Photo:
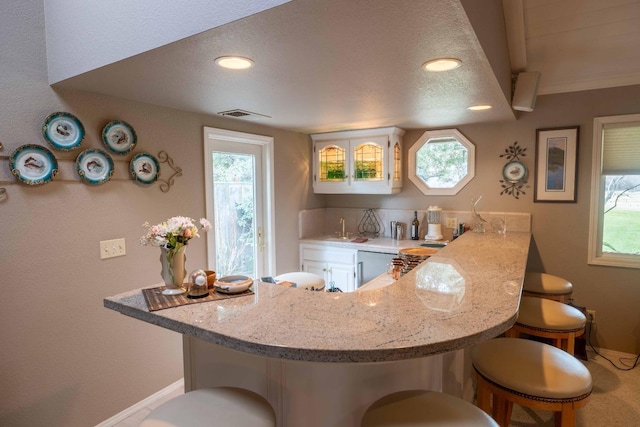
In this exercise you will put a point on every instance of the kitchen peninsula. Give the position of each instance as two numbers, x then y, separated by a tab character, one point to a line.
321	358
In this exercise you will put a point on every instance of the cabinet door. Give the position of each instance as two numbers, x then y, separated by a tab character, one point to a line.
343	276
331	166
369	165
316	267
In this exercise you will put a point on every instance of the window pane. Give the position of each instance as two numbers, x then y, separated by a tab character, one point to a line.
621	228
442	163
234	199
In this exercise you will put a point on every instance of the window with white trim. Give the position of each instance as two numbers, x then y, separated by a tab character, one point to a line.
614	236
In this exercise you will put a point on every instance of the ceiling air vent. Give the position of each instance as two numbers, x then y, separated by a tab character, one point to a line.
241	113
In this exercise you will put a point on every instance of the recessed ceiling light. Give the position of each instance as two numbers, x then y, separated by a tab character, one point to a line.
442	64
234	62
480	107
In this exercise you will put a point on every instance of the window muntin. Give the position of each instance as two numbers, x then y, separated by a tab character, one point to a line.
614	237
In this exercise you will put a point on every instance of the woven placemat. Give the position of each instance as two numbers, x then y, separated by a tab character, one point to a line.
157	301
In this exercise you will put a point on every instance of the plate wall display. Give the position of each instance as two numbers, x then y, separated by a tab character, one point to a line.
119	137
63	131
514	171
94	166
33	164
144	168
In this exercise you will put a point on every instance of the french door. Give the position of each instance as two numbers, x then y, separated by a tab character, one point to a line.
239	189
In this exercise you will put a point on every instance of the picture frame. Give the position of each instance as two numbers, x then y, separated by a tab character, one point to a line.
556	166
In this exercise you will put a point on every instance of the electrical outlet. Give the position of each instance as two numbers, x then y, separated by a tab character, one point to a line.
452	223
591	314
112	248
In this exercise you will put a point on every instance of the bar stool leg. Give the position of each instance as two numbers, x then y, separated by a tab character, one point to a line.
566	417
483	395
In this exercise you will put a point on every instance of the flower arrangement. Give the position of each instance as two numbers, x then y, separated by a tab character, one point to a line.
172	233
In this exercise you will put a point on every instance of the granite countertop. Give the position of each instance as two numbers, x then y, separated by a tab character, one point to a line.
467	293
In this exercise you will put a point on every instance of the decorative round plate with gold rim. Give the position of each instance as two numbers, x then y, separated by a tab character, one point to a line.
94	166
119	137
514	171
144	168
33	164
63	131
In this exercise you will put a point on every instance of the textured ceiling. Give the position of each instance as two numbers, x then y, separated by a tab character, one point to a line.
352	64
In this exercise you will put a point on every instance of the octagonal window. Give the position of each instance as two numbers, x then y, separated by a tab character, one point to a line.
441	162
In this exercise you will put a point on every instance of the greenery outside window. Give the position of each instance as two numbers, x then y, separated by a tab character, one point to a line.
614	237
441	162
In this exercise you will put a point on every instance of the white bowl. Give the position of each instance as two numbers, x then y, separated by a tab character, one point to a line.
233	284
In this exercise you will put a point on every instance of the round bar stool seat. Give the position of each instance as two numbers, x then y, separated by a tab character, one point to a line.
424	408
543	285
210	407
303	280
531	374
546	318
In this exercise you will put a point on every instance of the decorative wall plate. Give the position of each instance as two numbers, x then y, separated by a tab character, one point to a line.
514	171
144	168
119	137
94	166
63	131
33	164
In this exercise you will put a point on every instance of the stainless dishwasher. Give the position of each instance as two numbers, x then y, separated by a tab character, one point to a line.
372	264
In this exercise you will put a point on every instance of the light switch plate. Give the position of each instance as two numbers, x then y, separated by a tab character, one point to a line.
112	248
452	223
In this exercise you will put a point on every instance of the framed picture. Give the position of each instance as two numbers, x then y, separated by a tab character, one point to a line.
556	165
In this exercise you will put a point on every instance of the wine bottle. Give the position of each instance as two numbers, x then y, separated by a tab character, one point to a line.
415	227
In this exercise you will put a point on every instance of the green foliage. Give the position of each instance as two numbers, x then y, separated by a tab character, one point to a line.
442	164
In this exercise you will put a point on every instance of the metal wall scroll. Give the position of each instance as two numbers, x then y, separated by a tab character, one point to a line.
514	173
165	185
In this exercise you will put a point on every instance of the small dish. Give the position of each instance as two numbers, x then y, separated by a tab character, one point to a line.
94	166
119	137
144	168
33	164
63	131
233	284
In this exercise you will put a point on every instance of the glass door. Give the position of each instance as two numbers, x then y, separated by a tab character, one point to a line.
236	208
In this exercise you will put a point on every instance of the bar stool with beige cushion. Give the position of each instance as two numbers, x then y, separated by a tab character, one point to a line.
211	407
302	280
424	408
530	374
546	318
543	285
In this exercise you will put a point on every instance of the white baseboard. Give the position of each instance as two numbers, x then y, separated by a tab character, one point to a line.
143	404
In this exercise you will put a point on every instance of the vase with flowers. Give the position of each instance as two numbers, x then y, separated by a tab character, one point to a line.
172	237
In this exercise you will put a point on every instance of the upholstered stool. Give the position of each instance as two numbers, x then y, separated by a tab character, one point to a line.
531	374
548	286
546	318
302	280
424	408
209	407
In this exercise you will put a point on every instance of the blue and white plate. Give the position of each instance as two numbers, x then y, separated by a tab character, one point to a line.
144	168
33	164
94	166
119	137
63	131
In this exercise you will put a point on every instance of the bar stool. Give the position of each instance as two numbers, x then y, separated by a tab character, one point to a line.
531	374
424	408
546	318
303	280
210	407
543	285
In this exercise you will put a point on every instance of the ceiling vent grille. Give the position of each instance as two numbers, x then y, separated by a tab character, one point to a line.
241	113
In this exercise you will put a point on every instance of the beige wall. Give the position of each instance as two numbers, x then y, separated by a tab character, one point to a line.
64	359
560	230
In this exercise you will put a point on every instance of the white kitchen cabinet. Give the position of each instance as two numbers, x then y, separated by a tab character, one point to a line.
360	161
333	264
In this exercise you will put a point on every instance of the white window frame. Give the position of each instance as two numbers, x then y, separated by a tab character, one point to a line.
595	255
438	134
